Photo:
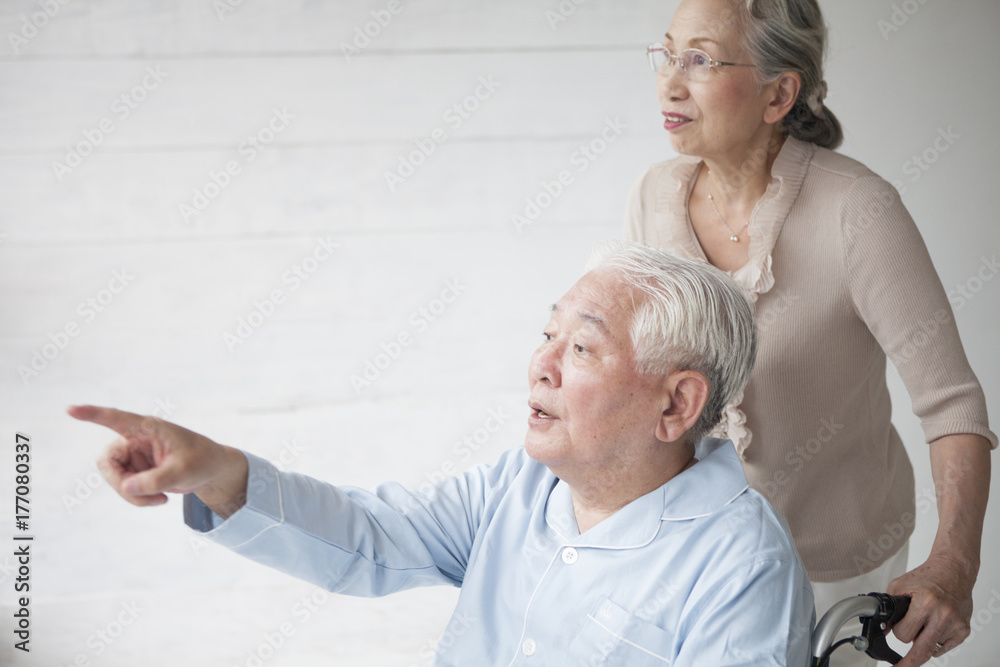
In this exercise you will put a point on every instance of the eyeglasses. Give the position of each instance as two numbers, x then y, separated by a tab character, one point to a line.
695	63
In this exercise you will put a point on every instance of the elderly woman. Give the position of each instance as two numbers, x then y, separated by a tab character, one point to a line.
841	280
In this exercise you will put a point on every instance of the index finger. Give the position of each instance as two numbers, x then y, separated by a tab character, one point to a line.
124	423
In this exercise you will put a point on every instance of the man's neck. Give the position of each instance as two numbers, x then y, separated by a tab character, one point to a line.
595	502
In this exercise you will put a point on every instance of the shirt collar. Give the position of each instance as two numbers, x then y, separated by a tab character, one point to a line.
715	481
712	483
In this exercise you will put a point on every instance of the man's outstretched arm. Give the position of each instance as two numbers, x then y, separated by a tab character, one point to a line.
344	539
152	457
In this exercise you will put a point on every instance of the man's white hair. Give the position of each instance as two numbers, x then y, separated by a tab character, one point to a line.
690	316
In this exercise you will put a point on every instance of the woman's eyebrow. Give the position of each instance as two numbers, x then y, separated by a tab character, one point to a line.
694	40
702	40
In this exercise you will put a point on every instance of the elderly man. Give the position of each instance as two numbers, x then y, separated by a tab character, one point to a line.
619	534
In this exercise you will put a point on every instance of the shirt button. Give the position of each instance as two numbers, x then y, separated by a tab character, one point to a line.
529	647
570	555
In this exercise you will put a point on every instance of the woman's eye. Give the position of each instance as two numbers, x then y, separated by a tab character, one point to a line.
579	348
546	336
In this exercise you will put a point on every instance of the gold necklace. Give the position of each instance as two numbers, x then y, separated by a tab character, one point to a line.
734	236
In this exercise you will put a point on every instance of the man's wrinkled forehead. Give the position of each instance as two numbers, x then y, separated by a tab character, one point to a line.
587	317
601	299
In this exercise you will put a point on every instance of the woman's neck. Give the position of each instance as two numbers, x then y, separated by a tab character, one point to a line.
739	180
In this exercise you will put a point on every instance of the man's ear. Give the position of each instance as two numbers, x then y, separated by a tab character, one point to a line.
784	92
685	396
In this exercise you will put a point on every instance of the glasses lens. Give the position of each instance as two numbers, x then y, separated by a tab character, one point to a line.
657	58
696	64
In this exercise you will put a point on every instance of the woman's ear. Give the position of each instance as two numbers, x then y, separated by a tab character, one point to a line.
684	399
784	92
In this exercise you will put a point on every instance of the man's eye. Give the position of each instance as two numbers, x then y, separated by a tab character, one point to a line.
579	348
547	336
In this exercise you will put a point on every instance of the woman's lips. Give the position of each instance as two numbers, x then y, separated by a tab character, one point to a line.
672	121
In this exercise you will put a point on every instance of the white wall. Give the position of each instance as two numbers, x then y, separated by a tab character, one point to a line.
158	345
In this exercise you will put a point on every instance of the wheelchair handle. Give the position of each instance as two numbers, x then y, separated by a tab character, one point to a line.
878	612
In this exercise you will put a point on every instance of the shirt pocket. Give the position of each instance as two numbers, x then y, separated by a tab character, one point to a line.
614	637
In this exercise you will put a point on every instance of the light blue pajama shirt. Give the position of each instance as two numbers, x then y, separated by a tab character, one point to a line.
701	572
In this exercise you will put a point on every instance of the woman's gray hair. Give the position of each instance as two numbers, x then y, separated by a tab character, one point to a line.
693	317
790	36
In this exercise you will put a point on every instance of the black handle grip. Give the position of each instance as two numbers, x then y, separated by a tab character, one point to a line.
892	608
901	605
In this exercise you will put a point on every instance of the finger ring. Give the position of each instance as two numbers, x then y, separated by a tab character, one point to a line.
938	647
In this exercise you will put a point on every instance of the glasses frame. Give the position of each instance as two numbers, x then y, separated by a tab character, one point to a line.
671	58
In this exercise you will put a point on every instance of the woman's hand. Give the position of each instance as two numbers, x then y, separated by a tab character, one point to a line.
940	608
154	457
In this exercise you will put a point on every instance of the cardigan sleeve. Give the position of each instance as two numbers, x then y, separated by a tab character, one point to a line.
897	293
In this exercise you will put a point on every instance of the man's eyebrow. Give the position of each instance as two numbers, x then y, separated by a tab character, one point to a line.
588	317
594	319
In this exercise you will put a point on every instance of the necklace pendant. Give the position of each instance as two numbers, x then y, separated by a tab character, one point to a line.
734	238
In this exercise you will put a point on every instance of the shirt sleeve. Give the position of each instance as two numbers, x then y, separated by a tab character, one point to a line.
762	615
352	541
898	294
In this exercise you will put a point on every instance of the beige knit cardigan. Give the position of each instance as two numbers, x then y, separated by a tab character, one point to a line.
840	279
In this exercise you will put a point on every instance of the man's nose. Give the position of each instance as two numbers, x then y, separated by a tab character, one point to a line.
544	366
